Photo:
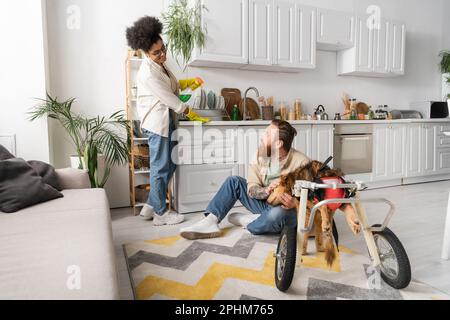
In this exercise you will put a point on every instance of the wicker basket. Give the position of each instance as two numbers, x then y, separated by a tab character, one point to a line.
141	163
141	150
141	157
141	193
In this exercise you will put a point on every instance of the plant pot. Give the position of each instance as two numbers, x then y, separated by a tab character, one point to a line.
75	162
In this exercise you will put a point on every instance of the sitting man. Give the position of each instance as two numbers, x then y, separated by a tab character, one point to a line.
275	157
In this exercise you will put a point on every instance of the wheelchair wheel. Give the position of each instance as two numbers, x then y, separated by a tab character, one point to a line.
285	258
395	266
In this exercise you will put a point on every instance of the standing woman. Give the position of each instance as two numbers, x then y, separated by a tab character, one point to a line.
157	106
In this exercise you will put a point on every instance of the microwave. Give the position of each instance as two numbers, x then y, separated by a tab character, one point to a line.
432	109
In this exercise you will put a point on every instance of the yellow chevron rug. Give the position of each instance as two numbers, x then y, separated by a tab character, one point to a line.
240	266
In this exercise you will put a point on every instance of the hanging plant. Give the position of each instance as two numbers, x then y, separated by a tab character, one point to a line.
184	30
445	66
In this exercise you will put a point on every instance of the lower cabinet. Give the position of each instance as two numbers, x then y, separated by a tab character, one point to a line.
322	142
196	185
302	141
422	150
389	152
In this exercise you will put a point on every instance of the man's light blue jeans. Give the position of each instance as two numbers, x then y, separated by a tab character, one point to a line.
162	168
272	219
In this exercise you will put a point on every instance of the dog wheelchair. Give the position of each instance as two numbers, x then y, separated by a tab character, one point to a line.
385	249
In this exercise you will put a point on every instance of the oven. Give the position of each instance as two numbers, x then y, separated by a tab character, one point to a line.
353	148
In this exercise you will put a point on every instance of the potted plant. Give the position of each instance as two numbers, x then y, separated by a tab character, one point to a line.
93	138
445	70
184	29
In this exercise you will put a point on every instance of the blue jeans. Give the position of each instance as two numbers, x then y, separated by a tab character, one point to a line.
162	168
272	219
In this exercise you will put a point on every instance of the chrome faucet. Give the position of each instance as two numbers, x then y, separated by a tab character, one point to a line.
244	113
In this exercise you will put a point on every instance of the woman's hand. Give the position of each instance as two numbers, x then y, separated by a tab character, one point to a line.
289	202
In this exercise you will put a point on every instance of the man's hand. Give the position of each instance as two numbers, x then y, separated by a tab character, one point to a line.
273	186
289	202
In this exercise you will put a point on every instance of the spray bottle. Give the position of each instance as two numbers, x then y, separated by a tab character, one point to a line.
188	86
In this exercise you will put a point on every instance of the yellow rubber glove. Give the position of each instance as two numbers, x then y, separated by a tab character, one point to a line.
193	116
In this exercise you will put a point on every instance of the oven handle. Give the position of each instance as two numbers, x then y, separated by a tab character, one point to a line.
360	138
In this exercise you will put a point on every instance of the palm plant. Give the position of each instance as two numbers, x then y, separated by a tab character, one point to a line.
91	137
445	65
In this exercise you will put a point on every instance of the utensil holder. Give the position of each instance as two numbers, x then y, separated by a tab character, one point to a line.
267	113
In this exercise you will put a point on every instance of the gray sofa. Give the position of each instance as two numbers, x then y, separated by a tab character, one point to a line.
61	249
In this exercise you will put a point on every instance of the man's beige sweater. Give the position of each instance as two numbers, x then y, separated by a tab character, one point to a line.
259	169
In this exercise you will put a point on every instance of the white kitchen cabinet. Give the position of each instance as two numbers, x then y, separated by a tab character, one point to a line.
428	148
322	142
261	13
389	152
282	36
305	37
335	30
198	184
248	142
422	150
397	42
227	37
381	48
284	33
381	153
302	141
378	52
364	46
414	154
443	161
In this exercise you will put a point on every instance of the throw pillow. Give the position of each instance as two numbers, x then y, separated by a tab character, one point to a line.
22	187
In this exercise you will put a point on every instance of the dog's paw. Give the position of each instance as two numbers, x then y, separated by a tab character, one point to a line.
356	227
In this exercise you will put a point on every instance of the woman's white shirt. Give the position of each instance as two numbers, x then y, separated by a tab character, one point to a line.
157	96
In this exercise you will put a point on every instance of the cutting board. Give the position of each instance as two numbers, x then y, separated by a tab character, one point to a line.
232	97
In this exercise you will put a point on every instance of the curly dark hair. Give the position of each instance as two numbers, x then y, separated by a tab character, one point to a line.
144	33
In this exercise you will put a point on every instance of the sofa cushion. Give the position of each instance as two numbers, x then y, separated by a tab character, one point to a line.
21	186
43	247
70	178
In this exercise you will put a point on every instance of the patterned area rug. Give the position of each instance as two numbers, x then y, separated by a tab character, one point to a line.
240	266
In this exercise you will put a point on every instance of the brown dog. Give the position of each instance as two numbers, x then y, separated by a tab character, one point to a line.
323	221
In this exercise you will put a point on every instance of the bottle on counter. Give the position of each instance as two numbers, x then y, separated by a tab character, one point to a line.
371	114
283	111
353	114
235	113
298	109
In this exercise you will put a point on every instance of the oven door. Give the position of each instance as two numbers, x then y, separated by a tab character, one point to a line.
353	153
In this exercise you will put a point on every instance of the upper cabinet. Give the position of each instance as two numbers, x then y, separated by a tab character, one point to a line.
335	30
379	51
397	39
261	35
227	37
283	35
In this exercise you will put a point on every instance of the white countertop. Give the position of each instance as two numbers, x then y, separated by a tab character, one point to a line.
314	122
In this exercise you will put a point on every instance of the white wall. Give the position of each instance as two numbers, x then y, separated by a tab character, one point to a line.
22	76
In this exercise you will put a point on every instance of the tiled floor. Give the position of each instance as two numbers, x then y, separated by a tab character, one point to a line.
419	223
